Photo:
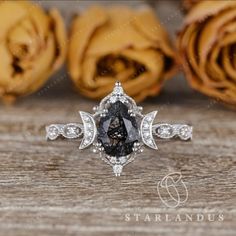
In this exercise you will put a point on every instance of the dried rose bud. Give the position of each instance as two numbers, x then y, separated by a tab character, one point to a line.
207	46
32	47
119	44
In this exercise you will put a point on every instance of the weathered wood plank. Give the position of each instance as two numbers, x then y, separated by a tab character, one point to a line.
52	187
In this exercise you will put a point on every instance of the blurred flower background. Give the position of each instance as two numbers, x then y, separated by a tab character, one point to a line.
32	47
134	42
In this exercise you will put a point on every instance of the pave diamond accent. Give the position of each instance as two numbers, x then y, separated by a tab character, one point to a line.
118	90
146	130
53	132
185	132
118	94
167	131
90	130
69	131
72	131
117	169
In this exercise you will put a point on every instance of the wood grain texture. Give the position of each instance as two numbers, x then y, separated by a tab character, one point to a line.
52	188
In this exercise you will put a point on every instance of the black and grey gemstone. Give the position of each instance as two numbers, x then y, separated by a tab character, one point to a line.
118	131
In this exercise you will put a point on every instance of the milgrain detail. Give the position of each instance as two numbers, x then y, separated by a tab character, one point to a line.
168	131
69	131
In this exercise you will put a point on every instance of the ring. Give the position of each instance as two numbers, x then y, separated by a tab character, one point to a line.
118	130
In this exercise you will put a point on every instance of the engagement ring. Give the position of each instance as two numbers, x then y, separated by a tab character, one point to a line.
118	130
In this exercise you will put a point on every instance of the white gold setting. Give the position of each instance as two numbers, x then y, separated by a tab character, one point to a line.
133	128
146	129
89	129
168	131
69	131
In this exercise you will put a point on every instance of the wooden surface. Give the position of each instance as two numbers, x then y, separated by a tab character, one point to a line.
52	188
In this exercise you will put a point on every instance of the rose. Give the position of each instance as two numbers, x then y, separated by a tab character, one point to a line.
190	3
32	47
207	46
119	44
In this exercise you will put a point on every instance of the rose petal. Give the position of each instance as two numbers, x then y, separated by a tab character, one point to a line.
206	45
147	23
118	34
117	48
59	33
32	47
82	30
11	13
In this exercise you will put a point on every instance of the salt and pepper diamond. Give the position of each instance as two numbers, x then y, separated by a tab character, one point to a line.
118	130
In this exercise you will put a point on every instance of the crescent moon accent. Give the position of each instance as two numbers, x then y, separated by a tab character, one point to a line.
89	129
146	130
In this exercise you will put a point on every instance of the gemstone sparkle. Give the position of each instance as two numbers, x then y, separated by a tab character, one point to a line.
118	131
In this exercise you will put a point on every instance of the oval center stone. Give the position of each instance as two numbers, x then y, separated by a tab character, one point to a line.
118	131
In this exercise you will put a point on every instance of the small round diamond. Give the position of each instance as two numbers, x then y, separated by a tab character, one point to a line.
122	99
146	135
185	132
117	169
53	132
113	160
149	141
113	99
118	89
149	118
165	131
71	131
89	125
86	142
86	119
145	125
123	159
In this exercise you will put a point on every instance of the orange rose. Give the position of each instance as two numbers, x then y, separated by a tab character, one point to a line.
188	4
32	47
207	45
119	44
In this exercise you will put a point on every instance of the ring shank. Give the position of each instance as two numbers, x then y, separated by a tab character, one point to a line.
168	131
162	131
69	131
